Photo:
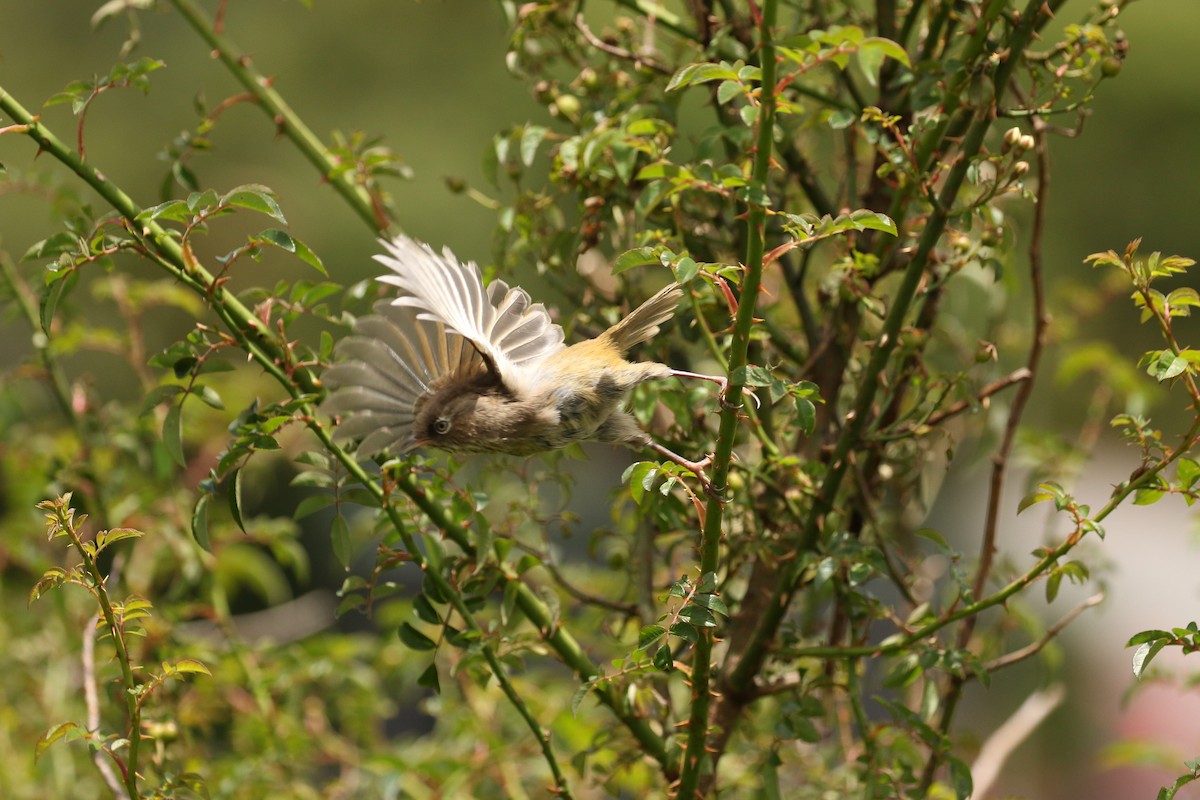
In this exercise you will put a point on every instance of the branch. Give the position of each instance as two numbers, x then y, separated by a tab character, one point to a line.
1032	649
163	249
285	119
1015	730
695	751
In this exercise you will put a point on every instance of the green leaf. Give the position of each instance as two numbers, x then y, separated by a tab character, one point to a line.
52	736
649	635
641	477
639	257
664	660
1052	584
1148	496
233	490
200	522
414	639
339	535
701	73
863	219
1041	493
53	294
209	397
281	239
172	433
806	415
1148	636
256	198
429	679
190	665
425	610
960	778
728	90
1144	655
685	631
751	375
531	138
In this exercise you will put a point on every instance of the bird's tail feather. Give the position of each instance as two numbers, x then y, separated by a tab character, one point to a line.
642	323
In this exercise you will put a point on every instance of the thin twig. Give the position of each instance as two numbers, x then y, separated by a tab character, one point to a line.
91	701
1032	649
617	52
1015	730
1016	376
1041	322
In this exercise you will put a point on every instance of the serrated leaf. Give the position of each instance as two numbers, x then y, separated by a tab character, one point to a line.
1036	496
580	693
638	474
425	611
806	415
209	397
638	257
685	631
255	198
649	635
701	73
281	239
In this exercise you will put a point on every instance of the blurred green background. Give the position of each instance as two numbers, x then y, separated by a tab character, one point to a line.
429	77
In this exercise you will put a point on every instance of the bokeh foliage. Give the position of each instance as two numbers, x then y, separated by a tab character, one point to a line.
854	201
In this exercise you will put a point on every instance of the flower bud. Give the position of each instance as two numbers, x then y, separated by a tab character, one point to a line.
1012	138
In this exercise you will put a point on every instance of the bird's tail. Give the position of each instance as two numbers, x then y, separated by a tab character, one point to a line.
643	321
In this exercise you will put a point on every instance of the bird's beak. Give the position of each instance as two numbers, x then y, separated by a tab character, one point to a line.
412	442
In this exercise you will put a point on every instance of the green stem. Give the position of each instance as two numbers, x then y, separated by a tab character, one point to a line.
166	251
65	516
901	644
857	420
282	115
695	749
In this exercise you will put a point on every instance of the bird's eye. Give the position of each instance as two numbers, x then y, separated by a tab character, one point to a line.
441	426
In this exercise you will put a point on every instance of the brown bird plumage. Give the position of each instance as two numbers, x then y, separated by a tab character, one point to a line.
451	364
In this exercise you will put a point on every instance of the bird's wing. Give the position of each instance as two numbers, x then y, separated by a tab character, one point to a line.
502	321
393	359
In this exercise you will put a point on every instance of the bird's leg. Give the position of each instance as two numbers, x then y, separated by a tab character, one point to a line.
719	380
695	466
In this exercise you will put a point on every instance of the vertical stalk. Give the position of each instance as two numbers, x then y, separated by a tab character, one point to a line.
695	749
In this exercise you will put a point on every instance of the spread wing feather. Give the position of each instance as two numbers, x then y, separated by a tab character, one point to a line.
501	320
385	369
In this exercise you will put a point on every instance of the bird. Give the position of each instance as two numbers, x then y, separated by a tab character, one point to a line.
455	365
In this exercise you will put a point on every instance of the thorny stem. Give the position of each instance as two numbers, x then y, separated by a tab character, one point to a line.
282	115
62	519
695	752
169	254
